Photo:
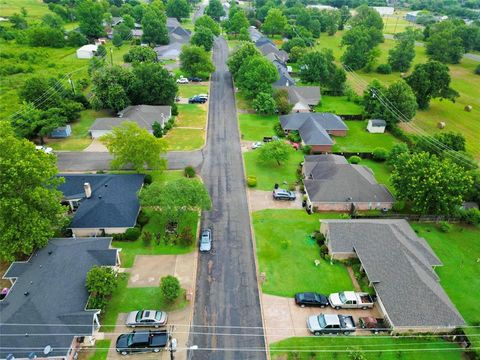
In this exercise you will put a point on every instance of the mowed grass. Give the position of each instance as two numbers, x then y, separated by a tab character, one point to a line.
254	127
290	268
192	115
358	139
381	171
100	351
80	137
371	347
179	139
125	299
189	90
270	173
35	8
338	105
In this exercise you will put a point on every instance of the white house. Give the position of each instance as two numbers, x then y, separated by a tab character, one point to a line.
87	51
376	126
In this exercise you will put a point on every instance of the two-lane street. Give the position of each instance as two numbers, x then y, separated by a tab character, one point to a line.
227	315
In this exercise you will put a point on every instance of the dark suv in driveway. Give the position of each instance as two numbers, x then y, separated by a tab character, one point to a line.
142	341
282	194
311	299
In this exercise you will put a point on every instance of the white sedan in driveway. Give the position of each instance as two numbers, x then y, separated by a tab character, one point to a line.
256	145
182	80
46	150
147	318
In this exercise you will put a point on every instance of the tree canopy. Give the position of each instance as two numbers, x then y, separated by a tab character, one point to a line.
132	145
208	22
153	85
89	14
215	9
401	56
203	37
154	25
178	9
256	75
30	210
275	22
277	151
246	51
195	61
138	54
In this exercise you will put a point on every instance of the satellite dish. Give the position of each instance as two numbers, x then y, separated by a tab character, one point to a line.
47	350
10	357
32	355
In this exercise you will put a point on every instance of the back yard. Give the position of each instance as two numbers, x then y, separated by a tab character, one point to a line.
286	254
338	105
254	127
358	139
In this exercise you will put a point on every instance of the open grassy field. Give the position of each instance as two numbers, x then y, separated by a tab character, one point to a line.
179	139
463	81
254	127
359	139
189	90
338	105
371	347
286	254
192	115
270	173
35	8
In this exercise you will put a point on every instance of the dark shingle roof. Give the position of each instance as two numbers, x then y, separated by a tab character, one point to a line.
330	179
262	41
308	95
270	48
114	201
285	78
179	34
54	278
399	264
143	115
378	122
254	33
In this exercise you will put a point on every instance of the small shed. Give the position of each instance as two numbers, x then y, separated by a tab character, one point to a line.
61	132
376	126
87	51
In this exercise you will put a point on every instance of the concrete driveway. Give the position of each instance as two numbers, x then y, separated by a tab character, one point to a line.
260	200
284	319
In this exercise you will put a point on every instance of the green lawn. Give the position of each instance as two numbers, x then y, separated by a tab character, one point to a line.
35	8
189	90
459	252
254	127
270	173
338	105
100	351
381	171
291	269
126	299
191	115
375	347
179	139
80	137
359	139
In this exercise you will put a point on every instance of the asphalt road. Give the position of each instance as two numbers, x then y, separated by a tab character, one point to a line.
227	299
95	161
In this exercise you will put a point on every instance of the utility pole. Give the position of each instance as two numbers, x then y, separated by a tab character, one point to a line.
72	84
172	348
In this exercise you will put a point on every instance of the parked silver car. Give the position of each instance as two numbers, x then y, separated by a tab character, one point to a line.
206	240
153	318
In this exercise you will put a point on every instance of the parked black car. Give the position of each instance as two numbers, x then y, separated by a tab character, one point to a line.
142	341
197	100
195	79
311	299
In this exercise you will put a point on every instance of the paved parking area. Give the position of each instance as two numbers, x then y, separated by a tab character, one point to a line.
260	200
96	146
284	319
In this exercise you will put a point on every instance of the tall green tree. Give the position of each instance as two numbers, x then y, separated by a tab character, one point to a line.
178	9
318	67
111	88
240	55
256	75
215	10
236	23
152	85
89	14
203	37
139	54
344	17
401	98
360	43
30	210
367	17
34	90
132	145
275	151
445	46
195	61
154	24
208	22
431	80
176	198
432	185
401	56
275	22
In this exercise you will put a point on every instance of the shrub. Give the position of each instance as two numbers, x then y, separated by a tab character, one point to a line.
147	179
132	234
189	172
354	159
323	251
306	149
251	181
186	237
100	283
279	130
398	205
380	154
294	136
319	238
384	69
143	218
147	238
170	288
157	129
118	237
471	216
445	227
477	70
291	187
174	110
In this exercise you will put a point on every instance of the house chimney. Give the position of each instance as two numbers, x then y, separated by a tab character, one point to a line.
88	190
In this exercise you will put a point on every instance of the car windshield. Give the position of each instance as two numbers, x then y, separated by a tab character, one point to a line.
129	339
158	315
342	297
139	316
321	321
205	237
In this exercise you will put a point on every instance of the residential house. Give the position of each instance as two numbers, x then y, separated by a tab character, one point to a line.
137	33
101	203
412	16
254	33
332	184
61	132
179	35
144	115
376	126
384	10
400	267
262	41
87	51
172	23
285	79
303	98
320	7
315	129
45	312
270	48
116	20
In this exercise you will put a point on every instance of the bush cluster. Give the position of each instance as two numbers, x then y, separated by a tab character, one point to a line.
170	288
354	159
380	154
189	172
384	69
251	181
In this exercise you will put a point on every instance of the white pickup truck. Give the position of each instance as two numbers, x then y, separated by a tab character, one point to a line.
350	300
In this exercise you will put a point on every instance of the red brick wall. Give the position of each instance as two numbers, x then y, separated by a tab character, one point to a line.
338	132
346	206
321	149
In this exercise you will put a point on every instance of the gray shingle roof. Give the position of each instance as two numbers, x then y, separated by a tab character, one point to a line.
378	122
330	179
262	41
313	133
170	51
179	34
270	48
114	201
172	23
143	115
285	78
54	278
399	264
254	33
308	95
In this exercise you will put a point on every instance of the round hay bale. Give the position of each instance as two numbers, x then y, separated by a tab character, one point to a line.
468	108
441	125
